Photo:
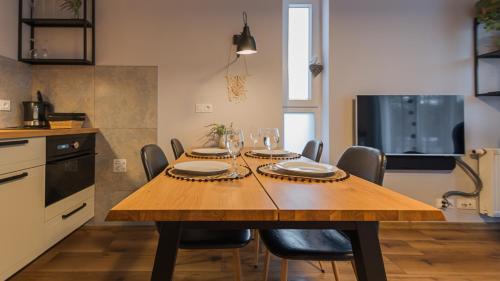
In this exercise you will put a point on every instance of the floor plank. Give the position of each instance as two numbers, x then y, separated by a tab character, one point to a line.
126	254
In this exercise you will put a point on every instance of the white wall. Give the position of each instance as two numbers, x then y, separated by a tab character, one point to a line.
190	42
407	46
8	28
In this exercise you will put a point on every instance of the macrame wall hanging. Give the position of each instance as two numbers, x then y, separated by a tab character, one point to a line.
236	84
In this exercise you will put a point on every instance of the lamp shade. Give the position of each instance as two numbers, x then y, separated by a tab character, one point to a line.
246	43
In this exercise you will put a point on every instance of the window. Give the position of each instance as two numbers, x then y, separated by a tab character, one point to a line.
302	95
299	41
301	125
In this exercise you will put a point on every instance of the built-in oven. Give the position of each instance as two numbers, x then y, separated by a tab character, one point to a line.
70	166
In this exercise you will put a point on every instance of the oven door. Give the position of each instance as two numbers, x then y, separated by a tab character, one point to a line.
66	177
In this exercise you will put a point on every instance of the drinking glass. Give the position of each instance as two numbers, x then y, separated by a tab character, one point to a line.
234	140
255	138
271	138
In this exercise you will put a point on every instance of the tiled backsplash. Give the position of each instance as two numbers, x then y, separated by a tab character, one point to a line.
119	100
15	85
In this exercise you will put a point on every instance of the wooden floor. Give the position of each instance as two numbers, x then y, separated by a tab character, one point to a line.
126	254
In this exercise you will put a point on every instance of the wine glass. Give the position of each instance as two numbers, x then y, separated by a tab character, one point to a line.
255	138
271	138
234	140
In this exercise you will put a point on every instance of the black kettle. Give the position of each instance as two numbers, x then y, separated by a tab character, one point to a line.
35	112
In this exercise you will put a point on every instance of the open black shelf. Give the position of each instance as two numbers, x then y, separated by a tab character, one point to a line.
478	58
57	61
85	24
57	22
490	55
489	94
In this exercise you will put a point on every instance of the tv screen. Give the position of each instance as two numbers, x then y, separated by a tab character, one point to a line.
411	124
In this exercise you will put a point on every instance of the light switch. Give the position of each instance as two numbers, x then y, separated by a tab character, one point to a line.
4	105
204	108
119	165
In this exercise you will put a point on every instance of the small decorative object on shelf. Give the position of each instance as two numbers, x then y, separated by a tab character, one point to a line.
38	14
488	13
486	42
73	6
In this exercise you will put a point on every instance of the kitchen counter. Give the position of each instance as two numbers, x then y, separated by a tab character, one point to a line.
30	133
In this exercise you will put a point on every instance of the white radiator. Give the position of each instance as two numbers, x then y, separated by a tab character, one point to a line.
489	171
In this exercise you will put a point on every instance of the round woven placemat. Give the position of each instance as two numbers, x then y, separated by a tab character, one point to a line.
197	156
265	170
243	172
290	156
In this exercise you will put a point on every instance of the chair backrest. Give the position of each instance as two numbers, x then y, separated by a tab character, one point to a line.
313	150
364	162
177	148
153	160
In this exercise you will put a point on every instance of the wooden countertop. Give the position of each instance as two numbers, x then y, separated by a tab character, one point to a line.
31	133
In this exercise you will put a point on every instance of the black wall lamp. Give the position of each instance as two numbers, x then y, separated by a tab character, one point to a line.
245	43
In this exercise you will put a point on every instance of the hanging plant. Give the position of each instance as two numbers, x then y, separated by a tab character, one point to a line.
488	13
72	6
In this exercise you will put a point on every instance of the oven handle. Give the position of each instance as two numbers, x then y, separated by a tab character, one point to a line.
87	154
66	216
12	143
13	178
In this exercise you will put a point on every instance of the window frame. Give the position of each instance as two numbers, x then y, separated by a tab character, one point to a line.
314	105
315	90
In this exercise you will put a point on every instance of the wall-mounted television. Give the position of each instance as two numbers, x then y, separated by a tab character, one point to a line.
411	125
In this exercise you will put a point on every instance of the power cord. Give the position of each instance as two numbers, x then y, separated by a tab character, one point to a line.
473	175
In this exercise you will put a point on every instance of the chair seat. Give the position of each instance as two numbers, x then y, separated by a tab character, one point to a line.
214	239
308	244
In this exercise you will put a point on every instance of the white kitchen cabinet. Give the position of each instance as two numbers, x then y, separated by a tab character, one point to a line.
21	217
19	154
27	226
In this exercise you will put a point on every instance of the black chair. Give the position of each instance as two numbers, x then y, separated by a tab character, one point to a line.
313	150
177	148
364	162
324	244
155	163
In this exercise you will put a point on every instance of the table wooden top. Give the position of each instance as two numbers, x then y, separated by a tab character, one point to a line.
168	199
263	198
354	199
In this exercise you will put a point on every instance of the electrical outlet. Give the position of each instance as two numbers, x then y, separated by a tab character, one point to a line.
466	203
4	105
119	165
440	203
204	108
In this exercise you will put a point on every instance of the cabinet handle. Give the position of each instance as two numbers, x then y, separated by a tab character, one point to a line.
74	211
11	143
13	178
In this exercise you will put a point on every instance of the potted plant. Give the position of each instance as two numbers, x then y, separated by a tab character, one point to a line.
216	132
72	6
488	14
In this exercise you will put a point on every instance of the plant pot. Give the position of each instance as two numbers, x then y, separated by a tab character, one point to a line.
222	143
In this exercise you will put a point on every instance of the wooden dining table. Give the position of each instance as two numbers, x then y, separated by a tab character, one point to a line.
354	206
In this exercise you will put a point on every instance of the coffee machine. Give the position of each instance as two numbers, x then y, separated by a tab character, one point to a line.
35	112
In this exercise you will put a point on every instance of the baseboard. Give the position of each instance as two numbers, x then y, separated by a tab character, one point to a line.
439	225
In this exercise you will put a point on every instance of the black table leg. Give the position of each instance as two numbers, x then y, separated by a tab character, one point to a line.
166	252
367	253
